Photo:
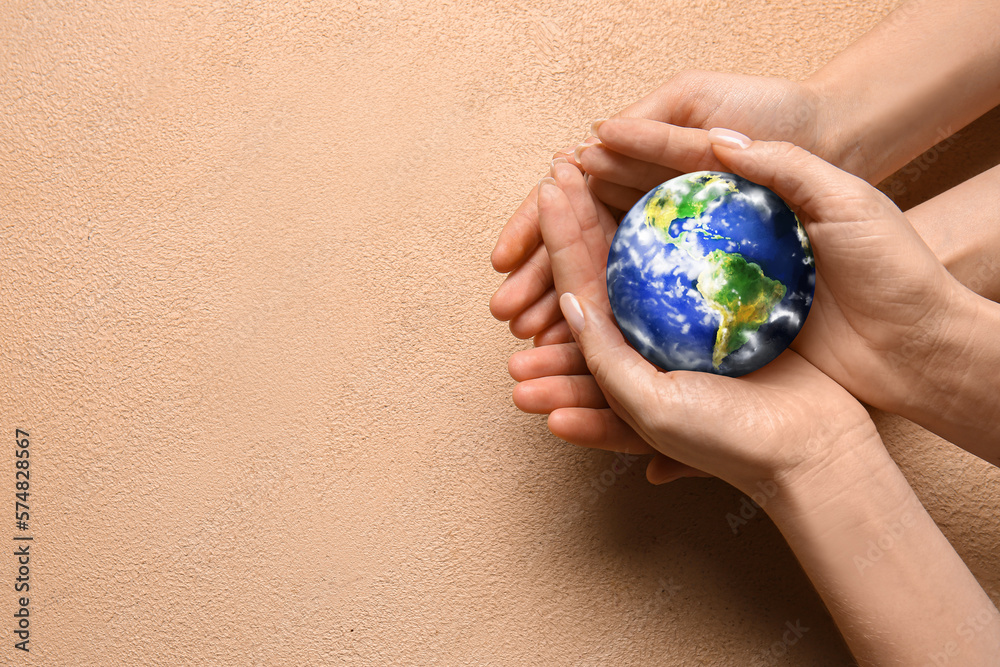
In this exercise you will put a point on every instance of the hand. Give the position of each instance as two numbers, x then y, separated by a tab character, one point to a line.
787	428
767	108
783	420
555	378
883	302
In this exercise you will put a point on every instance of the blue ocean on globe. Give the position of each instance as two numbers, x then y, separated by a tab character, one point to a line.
710	272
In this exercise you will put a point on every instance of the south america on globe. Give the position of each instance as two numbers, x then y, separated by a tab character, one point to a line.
710	272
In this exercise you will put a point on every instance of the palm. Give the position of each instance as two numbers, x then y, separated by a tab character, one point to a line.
767	411
878	283
556	380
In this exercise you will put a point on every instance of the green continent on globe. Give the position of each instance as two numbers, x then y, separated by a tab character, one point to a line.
667	205
736	289
740	292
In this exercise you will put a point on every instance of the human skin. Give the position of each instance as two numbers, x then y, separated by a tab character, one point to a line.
888	322
893	584
924	72
902	308
962	225
651	141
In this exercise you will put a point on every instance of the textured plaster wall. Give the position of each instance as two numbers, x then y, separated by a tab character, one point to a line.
243	315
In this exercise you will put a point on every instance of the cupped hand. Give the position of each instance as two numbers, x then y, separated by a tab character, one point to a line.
780	420
692	102
554	379
882	300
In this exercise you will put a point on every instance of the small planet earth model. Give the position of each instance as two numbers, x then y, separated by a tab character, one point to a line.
710	272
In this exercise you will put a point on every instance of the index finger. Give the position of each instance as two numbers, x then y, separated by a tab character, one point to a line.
576	240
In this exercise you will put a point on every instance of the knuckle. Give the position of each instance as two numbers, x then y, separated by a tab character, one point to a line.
601	367
574	390
692	91
540	270
788	151
688	78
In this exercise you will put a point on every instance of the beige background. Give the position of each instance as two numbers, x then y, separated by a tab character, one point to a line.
245	275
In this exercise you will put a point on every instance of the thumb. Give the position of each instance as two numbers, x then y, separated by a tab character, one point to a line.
620	371
808	183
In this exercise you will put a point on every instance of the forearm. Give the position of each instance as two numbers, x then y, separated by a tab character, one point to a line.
962	227
927	70
894	585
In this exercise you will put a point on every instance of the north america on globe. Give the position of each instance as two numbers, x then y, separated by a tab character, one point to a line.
710	272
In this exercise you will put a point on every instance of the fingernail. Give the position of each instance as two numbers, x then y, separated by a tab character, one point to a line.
731	138
596	125
572	312
566	151
579	150
548	180
557	161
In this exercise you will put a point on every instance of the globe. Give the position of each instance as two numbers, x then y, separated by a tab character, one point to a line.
710	272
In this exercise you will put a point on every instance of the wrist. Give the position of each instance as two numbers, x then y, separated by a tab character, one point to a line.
858	485
876	558
843	132
841	437
949	382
